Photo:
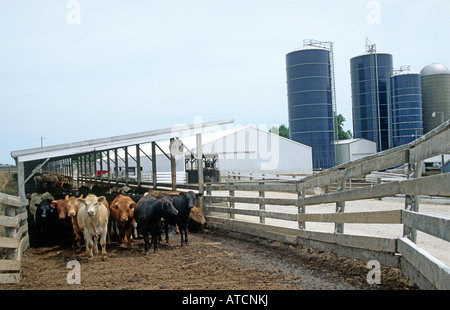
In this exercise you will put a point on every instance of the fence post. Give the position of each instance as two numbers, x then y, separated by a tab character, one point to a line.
340	207
262	206
10	232
412	201
301	207
206	202
231	191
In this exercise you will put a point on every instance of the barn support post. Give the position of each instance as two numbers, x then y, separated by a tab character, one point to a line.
154	175
108	167
127	177
101	167
138	165
200	163
173	168
116	167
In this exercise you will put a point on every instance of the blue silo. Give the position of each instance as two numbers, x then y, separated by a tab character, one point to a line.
370	77
406	106
310	86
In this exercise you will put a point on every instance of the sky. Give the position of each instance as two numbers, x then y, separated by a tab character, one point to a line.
73	70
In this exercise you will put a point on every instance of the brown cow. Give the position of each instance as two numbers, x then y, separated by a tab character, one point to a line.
63	218
72	211
122	212
197	220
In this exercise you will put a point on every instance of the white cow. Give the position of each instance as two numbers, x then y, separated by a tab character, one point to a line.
92	219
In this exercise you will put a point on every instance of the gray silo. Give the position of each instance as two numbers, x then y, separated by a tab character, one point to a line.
406	106
370	79
435	95
311	103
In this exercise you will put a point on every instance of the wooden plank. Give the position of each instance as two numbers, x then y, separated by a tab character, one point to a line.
386	259
433	145
286	235
23	245
9	278
436	185
363	242
379	217
432	225
380	161
267	201
430	267
268	187
9	265
382	190
8	221
12	201
10	243
258	213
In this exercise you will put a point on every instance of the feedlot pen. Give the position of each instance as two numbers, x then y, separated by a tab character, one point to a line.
261	239
214	259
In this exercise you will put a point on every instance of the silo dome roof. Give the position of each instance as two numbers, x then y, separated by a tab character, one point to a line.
434	69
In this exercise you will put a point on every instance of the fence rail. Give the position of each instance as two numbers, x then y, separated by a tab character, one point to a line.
16	239
414	262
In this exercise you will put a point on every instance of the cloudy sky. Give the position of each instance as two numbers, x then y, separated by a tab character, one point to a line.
76	70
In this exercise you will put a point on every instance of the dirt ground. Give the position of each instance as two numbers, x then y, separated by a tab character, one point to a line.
214	260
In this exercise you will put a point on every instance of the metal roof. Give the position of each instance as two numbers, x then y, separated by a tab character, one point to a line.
103	144
434	69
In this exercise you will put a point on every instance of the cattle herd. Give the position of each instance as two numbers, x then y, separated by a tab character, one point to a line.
96	217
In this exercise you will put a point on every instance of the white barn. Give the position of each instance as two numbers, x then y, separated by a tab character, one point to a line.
353	149
250	150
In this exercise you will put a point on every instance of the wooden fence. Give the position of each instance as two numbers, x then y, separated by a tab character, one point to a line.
415	263
15	240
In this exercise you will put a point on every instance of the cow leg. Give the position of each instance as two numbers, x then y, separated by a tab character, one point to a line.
89	244
146	241
96	244
103	244
185	235
122	236
166	231
155	242
128	233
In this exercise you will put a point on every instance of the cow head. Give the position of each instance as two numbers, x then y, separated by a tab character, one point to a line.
167	206
61	207
44	209
72	205
191	196
197	215
123	207
91	204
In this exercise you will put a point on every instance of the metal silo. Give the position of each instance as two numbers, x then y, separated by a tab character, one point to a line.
370	77
435	95
406	106
311	104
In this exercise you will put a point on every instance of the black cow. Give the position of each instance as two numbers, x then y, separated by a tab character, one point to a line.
148	213
46	218
183	202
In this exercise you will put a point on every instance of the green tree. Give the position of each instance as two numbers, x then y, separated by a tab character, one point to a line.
342	134
281	130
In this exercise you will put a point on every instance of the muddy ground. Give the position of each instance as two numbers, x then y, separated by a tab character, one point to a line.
214	260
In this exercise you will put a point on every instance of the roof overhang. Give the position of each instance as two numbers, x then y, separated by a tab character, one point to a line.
103	144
